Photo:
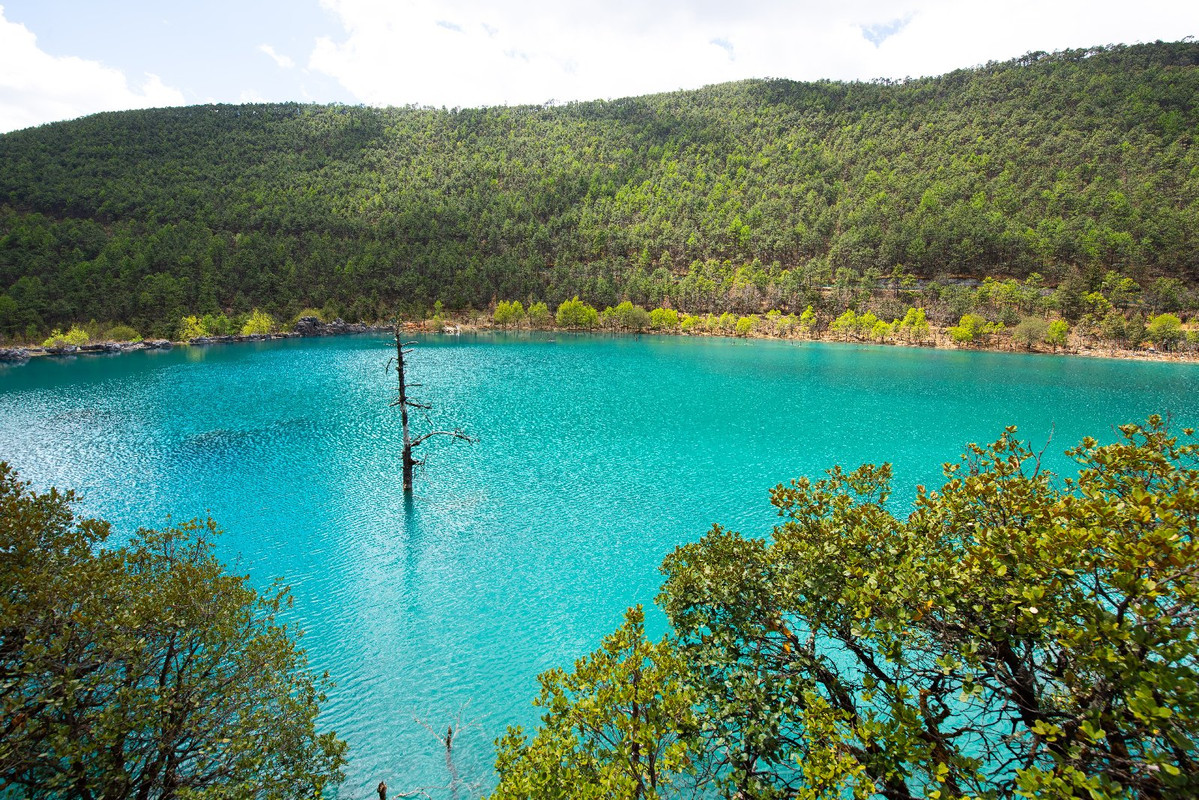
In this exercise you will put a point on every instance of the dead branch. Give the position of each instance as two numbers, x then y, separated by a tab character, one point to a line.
455	434
405	402
456	727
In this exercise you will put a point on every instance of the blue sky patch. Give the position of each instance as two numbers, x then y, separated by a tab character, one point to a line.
880	32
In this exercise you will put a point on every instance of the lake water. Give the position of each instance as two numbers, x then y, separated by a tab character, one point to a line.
595	457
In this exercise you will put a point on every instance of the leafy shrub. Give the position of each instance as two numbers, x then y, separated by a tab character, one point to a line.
914	325
539	315
969	329
786	324
1057	334
1014	635
1165	331
807	321
123	333
259	322
664	319
508	313
74	337
191	327
1030	331
881	331
574	313
845	324
113	656
627	316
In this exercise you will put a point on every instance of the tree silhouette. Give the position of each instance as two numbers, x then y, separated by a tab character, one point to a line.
405	402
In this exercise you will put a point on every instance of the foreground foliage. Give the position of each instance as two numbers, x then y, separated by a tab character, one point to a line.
1014	636
145	671
620	725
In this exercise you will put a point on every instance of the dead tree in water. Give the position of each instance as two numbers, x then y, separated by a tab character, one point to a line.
404	402
456	785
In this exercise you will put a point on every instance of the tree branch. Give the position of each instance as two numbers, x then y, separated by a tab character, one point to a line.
455	434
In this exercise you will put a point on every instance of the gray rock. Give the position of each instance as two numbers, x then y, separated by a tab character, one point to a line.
308	326
100	347
14	354
311	326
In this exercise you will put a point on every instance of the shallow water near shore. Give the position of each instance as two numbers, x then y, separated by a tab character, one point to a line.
596	456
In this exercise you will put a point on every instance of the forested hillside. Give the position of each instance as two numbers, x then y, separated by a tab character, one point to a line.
741	196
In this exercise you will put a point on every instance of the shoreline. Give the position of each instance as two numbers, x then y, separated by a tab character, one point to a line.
308	328
21	354
939	340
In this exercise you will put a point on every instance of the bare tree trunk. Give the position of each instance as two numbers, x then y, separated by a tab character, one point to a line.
403	401
449	762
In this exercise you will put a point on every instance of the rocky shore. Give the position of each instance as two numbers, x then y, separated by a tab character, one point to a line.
304	327
307	327
21	354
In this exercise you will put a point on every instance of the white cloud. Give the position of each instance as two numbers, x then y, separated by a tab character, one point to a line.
469	52
491	52
482	52
36	87
283	61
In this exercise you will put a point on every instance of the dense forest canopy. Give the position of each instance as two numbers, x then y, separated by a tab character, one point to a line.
1070	165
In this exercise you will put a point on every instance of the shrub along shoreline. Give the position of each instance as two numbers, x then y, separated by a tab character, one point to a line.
1163	337
1105	333
862	332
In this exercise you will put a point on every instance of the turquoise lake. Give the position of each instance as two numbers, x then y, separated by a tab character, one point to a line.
595	457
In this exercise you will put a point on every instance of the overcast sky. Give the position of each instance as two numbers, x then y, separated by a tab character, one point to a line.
61	59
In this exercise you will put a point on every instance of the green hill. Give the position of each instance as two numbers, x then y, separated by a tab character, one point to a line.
1068	164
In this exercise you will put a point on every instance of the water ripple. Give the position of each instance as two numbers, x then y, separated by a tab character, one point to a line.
596	456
